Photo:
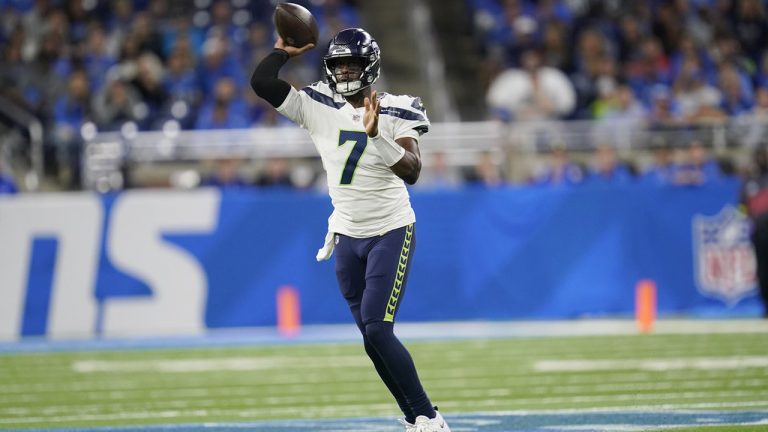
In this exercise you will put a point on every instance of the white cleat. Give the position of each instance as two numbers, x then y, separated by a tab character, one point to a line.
409	427
426	424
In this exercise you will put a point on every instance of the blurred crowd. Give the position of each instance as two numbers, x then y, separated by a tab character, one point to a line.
102	65
654	62
83	66
665	165
559	167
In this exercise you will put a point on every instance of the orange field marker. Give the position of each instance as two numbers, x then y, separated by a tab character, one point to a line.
288	311
645	305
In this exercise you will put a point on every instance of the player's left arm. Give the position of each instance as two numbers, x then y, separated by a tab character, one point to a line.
408	167
401	155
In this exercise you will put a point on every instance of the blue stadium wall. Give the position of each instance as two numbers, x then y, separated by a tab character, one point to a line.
157	262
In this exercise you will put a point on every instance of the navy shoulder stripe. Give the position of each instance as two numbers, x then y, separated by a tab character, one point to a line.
323	99
402	113
417	104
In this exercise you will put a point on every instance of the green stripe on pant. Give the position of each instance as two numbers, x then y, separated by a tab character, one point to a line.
402	265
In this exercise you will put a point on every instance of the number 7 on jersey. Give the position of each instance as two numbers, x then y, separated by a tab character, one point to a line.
361	141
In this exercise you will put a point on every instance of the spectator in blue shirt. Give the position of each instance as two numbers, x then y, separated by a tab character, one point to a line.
698	169
181	29
72	108
180	84
69	114
607	168
664	111
218	62
560	170
737	96
226	175
662	170
224	110
96	59
221	22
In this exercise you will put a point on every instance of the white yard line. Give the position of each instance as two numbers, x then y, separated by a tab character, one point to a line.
708	408
657	364
187	365
106	383
458	387
194	365
478	399
577	327
303	412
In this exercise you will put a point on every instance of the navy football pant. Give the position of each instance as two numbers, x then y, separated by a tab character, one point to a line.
372	273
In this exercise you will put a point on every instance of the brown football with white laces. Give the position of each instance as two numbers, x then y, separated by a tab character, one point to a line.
295	24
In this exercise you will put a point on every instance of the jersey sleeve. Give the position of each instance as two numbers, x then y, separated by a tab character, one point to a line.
308	107
296	106
409	117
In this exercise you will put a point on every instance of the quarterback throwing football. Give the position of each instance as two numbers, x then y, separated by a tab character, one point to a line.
368	144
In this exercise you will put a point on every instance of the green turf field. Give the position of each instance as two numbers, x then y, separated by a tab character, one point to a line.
655	373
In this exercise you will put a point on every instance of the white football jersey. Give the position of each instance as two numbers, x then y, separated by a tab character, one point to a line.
368	198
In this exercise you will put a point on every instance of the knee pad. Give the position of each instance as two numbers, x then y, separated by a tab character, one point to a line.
379	332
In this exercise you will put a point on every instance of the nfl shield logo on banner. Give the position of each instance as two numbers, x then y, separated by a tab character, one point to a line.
723	256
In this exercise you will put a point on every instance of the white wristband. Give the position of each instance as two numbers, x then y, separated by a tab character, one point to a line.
389	150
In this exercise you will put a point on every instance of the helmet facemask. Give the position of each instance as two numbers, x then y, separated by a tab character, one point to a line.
349	74
346	73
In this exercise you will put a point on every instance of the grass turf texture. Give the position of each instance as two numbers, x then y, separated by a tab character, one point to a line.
649	373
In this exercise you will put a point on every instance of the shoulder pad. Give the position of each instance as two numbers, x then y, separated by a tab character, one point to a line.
417	104
404	107
321	92
320	87
402	101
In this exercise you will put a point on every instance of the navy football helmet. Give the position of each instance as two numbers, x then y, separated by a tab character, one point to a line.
352	44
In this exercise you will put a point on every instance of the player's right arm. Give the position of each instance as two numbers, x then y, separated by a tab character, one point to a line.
264	80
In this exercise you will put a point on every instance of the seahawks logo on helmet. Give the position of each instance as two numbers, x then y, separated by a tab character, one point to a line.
357	43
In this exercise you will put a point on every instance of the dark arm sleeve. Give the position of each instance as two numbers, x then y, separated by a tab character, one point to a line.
265	82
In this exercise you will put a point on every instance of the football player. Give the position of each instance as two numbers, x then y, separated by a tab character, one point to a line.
368	143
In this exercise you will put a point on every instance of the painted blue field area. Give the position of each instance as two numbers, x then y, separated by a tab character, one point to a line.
568	421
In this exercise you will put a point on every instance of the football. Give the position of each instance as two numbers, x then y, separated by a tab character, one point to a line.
295	24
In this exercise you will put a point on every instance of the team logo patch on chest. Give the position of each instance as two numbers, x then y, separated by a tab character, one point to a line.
724	260
356	117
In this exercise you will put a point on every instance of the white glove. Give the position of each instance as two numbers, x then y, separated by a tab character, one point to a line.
326	251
